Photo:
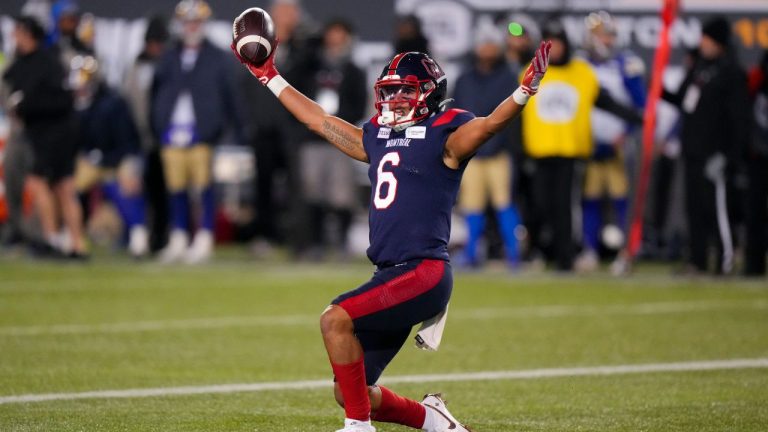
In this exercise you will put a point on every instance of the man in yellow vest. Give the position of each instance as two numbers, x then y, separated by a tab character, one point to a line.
557	134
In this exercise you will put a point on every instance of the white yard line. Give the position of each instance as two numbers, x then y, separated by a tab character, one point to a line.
542	311
456	377
142	326
655	308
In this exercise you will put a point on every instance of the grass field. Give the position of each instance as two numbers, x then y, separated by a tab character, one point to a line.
567	354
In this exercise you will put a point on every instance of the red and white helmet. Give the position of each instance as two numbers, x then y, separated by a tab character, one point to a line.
414	74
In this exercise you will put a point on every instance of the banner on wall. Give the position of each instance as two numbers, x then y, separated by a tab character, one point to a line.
450	24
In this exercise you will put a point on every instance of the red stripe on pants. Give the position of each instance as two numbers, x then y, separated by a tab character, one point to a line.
398	290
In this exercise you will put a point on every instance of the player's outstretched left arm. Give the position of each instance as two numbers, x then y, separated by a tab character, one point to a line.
465	141
343	135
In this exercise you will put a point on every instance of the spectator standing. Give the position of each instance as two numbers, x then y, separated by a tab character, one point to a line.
39	99
757	174
276	135
488	177
518	50
17	158
557	134
136	89
620	74
714	102
65	16
192	101
663	238
328	175
409	36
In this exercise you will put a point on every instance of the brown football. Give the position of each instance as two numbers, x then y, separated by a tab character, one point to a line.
253	33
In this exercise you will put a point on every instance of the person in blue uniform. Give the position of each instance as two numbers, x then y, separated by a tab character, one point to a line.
417	151
620	74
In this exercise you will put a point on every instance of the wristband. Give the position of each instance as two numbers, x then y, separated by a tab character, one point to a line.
520	96
277	85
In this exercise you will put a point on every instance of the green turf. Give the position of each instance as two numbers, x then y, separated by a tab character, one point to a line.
114	324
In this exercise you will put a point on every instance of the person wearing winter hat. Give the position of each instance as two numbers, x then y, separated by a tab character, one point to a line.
714	103
482	85
756	205
715	37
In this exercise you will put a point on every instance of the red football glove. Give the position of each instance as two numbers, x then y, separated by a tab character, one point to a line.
265	71
536	69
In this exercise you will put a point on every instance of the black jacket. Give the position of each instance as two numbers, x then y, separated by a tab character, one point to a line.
718	120
107	126
347	80
46	108
268	119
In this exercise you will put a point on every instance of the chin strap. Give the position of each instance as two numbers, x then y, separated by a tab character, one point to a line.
388	117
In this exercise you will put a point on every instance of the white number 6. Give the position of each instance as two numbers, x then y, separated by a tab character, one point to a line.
388	178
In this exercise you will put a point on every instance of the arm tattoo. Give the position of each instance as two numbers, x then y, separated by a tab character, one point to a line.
340	138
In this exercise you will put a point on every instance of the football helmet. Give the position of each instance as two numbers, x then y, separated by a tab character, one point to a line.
192	10
190	18
601	34
411	88
83	79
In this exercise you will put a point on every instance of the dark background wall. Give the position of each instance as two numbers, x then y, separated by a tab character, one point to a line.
373	19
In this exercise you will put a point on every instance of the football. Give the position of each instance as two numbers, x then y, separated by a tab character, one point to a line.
253	34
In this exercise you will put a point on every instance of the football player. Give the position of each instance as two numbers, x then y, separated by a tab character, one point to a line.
109	149
192	101
620	73
417	151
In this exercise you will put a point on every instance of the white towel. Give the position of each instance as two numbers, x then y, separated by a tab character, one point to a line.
431	332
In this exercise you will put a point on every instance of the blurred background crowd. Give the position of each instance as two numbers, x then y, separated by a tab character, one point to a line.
143	135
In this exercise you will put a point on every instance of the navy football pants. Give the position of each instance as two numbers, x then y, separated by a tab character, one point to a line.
396	298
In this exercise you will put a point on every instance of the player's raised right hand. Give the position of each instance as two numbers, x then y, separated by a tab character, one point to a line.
265	71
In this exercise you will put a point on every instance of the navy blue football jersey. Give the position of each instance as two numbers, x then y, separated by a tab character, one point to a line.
412	190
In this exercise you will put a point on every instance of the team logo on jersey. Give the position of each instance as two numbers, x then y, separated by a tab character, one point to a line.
398	142
384	133
416	132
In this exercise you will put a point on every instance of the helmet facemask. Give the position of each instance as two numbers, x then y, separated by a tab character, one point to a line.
402	102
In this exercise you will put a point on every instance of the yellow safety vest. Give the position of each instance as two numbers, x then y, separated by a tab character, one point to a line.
556	122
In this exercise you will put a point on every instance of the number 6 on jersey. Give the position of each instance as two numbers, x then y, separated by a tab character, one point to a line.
388	178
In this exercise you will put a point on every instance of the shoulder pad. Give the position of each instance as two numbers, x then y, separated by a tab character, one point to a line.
451	114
